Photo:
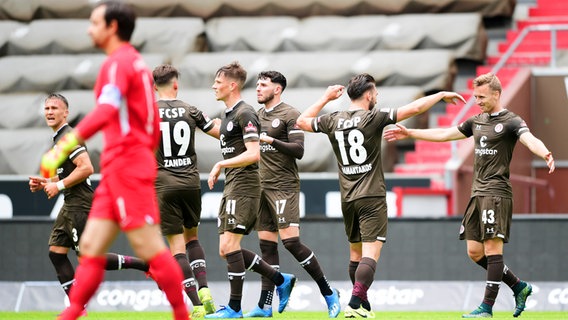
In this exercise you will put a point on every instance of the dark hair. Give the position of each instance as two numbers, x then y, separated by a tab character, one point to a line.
235	71
274	76
164	73
123	14
57	96
359	84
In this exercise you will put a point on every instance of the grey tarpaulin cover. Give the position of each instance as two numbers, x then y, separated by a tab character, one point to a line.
463	33
49	9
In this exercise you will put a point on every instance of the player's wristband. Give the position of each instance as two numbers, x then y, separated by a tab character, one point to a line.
60	185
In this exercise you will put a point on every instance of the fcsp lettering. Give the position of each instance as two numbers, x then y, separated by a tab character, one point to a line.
348	123
171	112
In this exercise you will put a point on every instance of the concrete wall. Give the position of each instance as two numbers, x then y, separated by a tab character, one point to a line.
415	250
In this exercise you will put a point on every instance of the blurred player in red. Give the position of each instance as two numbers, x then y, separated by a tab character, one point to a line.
125	199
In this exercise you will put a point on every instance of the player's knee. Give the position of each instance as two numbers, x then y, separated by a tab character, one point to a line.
474	254
222	253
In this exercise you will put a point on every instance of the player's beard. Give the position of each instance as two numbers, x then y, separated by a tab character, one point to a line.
372	104
263	100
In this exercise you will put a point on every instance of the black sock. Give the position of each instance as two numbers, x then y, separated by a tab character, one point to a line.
494	275
307	259
236	273
196	256
118	262
269	252
509	278
188	283
253	262
63	269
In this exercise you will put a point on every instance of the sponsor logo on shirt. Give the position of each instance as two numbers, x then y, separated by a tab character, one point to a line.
483	150
266	147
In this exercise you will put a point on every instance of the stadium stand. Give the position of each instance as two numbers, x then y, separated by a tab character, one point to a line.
73	9
49	73
172	37
534	50
432	69
364	33
24	126
404	44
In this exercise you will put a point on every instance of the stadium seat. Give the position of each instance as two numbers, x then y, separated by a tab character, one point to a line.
260	34
432	69
67	36
6	29
548	11
399	32
42	9
173	37
21	149
23	110
523	58
49	73
521	24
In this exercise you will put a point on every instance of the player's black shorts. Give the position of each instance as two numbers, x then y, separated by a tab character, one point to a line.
487	217
278	210
365	219
178	209
68	227
237	214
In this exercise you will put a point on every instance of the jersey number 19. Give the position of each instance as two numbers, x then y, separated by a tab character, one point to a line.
181	134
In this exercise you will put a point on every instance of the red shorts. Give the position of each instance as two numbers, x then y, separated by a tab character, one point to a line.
129	200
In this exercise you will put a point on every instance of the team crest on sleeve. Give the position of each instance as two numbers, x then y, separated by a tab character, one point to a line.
499	127
230	126
275	123
250	127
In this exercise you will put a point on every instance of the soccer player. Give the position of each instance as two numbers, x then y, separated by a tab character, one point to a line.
178	185
72	179
487	219
239	141
355	135
282	142
125	199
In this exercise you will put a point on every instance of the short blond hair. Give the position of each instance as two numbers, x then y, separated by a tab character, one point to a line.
490	79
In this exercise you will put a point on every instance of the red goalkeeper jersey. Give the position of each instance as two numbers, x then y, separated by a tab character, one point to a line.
126	112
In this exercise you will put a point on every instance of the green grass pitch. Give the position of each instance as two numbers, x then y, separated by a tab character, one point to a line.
528	315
